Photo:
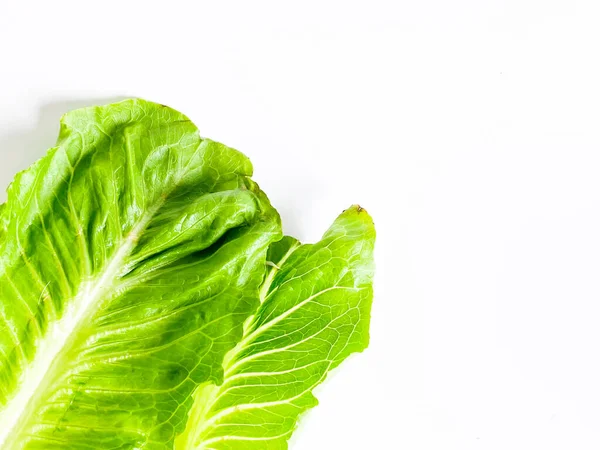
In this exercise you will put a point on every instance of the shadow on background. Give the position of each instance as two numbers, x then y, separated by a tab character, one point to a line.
21	148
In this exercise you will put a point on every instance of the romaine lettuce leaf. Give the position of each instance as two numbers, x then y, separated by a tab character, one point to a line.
315	312
130	257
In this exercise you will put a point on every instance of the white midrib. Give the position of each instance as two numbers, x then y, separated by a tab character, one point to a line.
39	373
276	267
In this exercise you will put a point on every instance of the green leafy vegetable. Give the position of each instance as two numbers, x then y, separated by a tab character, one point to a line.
148	299
315	312
131	255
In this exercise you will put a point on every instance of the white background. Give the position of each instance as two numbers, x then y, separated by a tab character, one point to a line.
469	130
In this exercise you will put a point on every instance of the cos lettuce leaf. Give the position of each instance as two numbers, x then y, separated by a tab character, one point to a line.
147	300
130	257
315	312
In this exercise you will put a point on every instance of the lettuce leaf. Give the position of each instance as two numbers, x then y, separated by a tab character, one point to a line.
315	312
130	257
148	300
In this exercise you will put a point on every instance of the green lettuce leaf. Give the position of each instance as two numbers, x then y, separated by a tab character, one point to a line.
315	312
130	257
